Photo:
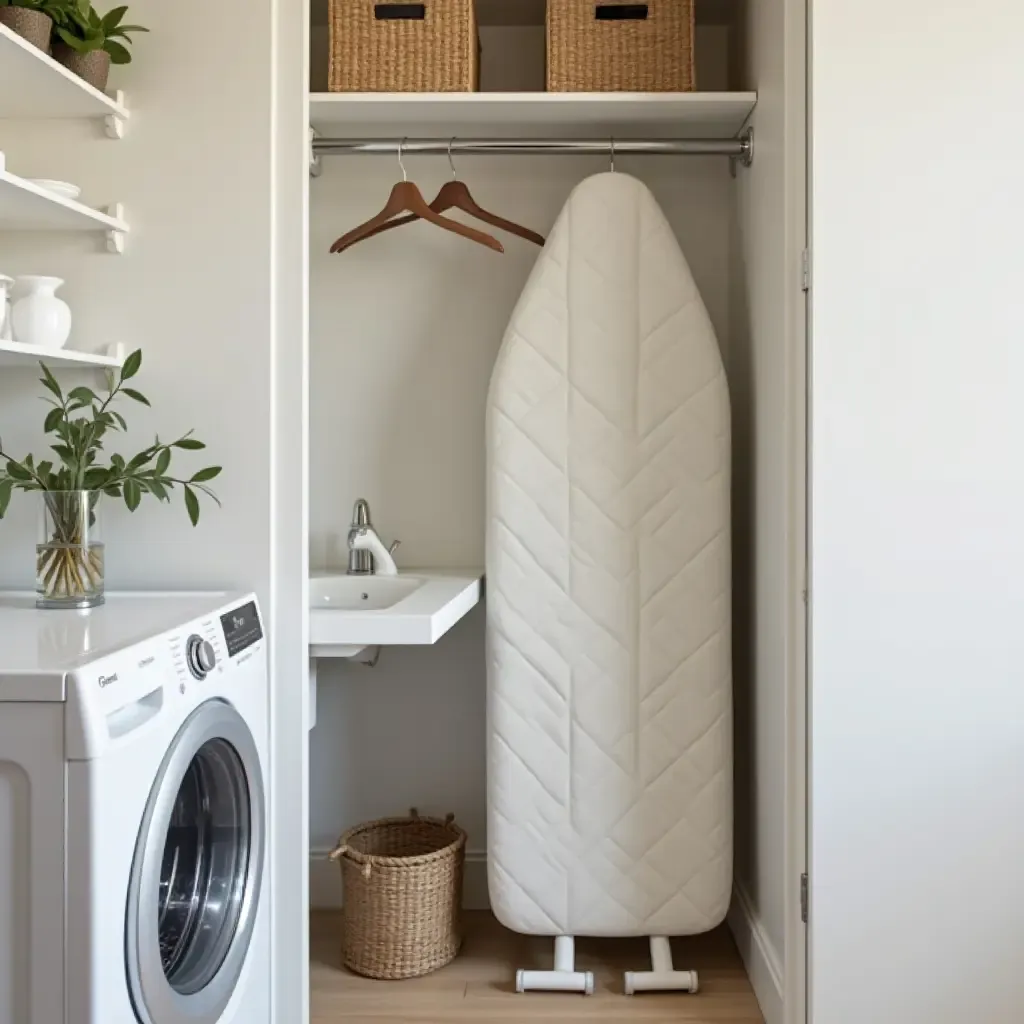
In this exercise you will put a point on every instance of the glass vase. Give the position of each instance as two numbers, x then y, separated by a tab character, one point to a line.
69	550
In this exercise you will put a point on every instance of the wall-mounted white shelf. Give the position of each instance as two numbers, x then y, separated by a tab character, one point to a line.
25	206
703	115
33	85
14	355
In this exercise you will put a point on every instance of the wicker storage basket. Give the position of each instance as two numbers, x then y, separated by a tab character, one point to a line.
402	886
620	47
429	46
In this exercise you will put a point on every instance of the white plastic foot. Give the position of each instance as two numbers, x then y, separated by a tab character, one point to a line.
564	978
662	977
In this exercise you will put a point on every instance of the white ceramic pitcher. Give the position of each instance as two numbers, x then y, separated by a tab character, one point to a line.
39	317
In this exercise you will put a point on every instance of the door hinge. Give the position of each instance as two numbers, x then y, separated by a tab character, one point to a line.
805	271
803	898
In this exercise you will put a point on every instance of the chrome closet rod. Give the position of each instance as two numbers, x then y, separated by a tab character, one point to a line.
739	149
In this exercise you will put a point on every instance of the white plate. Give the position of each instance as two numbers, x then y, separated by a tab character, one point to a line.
64	189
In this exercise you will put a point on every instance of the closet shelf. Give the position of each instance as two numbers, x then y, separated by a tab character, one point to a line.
27	207
14	355
33	85
704	115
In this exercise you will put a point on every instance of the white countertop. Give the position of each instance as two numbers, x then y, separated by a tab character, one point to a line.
39	646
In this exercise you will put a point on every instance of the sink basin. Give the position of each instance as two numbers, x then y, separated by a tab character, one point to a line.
348	613
360	593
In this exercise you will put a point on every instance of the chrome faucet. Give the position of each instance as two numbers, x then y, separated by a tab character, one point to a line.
367	555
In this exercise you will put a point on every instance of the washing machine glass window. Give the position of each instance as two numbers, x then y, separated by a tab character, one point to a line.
202	876
197	872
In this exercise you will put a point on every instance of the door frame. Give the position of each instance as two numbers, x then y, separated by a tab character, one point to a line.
797	825
288	633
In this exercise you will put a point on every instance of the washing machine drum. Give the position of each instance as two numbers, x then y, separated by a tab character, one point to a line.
197	872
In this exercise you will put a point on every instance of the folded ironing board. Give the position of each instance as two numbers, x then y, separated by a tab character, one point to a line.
608	620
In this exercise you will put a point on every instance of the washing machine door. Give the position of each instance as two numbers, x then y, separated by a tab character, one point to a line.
197	872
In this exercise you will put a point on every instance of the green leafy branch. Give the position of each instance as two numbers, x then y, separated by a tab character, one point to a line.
81	422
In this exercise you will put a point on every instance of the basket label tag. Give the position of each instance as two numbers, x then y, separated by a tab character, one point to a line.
620	12
390	12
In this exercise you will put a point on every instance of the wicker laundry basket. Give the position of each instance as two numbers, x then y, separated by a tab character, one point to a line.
616	46
402	893
430	46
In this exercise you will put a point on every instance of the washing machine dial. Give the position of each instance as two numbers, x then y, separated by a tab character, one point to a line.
201	657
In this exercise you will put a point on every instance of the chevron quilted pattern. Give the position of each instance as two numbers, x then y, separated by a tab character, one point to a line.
608	567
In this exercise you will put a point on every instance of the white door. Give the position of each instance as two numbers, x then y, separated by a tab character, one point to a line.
917	722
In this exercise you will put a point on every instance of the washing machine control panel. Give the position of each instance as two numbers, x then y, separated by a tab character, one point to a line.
242	628
200	656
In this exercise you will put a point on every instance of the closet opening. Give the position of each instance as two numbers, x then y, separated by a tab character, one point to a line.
406	326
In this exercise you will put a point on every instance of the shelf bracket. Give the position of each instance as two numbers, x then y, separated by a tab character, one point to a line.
116	351
746	157
315	165
114	124
115	238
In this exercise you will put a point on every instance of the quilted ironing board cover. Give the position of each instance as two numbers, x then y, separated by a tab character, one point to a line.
608	576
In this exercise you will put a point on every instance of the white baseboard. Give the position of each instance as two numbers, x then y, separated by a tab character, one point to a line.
325	881
764	967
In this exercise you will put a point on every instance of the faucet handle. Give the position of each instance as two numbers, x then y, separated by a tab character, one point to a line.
395	545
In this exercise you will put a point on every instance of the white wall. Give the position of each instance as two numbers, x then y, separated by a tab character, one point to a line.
918	503
211	289
192	290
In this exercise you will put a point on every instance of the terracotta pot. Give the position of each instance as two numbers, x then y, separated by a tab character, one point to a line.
34	26
92	67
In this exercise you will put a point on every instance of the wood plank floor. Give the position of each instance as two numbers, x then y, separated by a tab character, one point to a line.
479	985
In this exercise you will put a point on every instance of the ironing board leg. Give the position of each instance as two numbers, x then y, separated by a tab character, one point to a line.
662	977
564	978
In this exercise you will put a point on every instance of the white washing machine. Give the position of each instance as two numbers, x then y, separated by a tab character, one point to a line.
133	812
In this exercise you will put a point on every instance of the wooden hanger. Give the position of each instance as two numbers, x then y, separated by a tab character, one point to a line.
406	198
455	195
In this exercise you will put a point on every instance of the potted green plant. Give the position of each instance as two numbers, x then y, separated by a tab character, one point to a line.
69	548
88	43
34	19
